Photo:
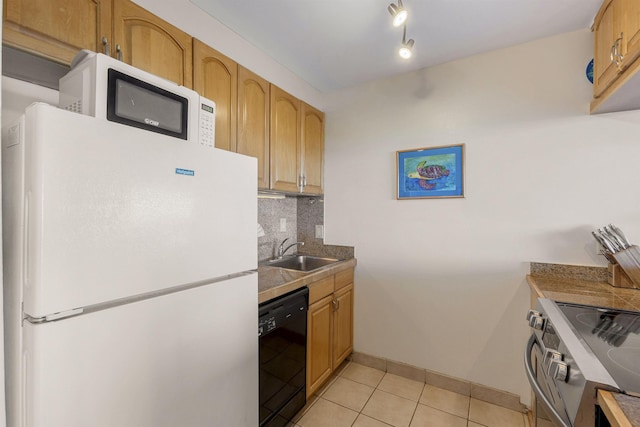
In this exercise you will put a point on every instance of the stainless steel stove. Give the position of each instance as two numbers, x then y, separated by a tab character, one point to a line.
575	350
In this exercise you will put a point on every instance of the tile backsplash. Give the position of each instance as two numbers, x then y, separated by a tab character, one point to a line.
270	213
302	215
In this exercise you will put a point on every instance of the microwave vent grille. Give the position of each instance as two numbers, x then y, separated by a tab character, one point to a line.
76	107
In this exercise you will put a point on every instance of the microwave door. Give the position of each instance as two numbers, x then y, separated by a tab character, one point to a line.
136	103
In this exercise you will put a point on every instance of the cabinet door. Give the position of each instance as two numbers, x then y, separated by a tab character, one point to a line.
632	31
312	149
319	343
253	121
285	141
608	29
215	77
343	325
57	29
149	43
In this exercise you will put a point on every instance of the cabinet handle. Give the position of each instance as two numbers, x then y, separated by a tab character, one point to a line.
304	181
105	43
335	304
119	51
300	184
616	57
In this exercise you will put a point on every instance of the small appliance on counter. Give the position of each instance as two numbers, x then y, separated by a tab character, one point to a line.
575	350
623	257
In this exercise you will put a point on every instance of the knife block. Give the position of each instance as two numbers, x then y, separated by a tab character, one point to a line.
625	273
617	277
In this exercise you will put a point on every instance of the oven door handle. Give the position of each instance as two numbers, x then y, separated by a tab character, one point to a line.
528	365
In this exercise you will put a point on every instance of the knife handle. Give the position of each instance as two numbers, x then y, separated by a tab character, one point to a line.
621	235
605	244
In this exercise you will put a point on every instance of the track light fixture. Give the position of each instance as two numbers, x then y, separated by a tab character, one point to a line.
405	50
398	12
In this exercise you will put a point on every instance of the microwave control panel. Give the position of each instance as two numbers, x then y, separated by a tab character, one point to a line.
207	122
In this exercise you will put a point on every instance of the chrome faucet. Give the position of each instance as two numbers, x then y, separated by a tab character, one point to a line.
282	250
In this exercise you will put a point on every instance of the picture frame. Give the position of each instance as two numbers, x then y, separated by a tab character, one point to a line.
431	172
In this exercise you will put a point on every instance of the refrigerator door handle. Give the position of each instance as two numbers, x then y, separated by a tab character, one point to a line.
55	316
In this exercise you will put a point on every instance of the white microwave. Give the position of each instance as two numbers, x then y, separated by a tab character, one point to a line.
103	87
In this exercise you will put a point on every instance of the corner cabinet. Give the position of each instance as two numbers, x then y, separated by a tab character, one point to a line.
329	327
608	44
145	41
253	121
616	64
215	77
57	29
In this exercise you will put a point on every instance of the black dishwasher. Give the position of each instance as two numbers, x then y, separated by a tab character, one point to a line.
282	332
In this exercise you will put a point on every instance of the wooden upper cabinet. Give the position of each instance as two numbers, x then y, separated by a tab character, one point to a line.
152	44
56	29
285	141
632	32
215	77
253	121
312	149
608	36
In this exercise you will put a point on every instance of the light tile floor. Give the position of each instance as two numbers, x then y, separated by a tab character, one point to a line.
360	396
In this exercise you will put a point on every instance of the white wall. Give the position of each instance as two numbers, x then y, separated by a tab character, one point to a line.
440	284
193	20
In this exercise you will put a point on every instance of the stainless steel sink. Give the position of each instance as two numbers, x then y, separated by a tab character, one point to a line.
302	262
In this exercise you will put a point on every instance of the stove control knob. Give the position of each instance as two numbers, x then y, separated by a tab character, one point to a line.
550	355
558	370
532	313
536	322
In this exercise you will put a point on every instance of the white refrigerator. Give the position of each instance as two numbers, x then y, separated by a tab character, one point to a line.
130	286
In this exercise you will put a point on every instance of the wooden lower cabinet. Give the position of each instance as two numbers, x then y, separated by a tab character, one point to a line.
319	337
343	325
329	327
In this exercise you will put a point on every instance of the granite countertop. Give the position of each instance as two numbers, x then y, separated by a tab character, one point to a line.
587	285
276	281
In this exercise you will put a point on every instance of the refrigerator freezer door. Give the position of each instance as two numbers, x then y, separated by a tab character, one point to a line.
113	211
187	359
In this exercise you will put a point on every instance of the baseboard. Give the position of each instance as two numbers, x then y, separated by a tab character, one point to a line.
477	391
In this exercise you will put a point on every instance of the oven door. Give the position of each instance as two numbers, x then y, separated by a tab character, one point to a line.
548	407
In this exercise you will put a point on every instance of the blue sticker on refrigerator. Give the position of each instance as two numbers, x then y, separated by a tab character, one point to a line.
187	172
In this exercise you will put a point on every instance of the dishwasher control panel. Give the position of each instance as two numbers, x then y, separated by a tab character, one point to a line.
266	325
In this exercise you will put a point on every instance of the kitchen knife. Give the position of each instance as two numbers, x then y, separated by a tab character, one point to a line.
620	235
613	237
616	246
603	242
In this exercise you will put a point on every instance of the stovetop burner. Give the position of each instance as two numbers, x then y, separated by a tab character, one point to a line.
614	337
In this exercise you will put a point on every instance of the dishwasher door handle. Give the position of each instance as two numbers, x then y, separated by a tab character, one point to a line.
531	376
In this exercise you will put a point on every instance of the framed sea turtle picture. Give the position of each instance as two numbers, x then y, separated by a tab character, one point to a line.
433	172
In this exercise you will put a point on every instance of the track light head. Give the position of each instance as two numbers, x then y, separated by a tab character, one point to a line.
406	50
398	12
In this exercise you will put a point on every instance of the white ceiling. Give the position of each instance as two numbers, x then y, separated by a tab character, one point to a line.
334	44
